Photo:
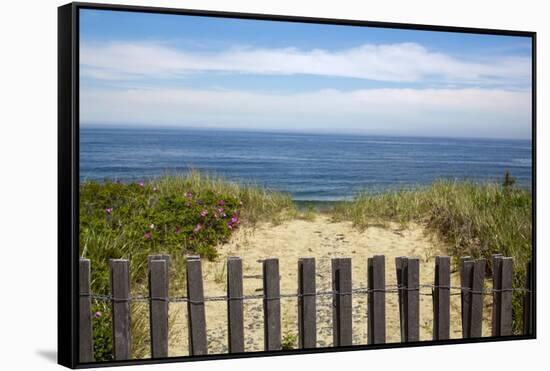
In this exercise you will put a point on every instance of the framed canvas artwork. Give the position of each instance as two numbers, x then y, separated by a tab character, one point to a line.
236	185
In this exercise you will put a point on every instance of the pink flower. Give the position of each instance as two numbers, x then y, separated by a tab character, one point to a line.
97	314
221	202
141	183
189	195
148	235
178	230
109	210
220	210
197	228
233	222
204	213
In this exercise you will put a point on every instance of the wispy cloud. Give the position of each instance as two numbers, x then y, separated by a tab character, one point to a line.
401	62
460	112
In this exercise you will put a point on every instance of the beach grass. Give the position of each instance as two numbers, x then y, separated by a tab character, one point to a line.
475	219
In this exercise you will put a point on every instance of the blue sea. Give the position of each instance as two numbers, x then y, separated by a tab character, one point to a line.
316	167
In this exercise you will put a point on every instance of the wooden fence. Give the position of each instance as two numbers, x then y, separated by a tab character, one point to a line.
471	291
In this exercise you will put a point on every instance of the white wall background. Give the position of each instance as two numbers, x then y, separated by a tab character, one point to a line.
28	180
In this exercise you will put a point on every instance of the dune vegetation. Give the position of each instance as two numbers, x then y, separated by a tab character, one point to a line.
476	219
193	213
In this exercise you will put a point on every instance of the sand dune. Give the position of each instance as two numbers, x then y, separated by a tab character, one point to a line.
322	239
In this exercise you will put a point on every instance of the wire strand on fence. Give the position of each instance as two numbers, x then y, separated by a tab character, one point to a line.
356	291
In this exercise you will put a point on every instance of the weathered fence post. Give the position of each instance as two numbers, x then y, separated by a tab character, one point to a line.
167	259
411	302
86	345
307	312
235	326
120	291
158	307
272	304
466	271
442	298
497	275
528	302
399	278
341	301
195	307
506	297
476	314
376	300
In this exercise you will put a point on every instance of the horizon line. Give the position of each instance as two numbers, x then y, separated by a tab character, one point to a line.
287	131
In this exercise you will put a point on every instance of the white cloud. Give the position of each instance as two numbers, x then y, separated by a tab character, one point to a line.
461	112
402	62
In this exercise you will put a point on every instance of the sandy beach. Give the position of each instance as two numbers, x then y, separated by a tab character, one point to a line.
322	239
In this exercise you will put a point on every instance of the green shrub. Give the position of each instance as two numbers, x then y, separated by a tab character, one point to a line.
174	214
289	341
101	327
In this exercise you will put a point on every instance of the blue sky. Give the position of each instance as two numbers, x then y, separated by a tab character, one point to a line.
171	70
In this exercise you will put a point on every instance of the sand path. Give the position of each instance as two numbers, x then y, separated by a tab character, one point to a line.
323	240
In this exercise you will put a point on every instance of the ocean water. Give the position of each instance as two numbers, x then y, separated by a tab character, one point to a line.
321	167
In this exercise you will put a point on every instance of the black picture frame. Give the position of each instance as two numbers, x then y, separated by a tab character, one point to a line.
68	175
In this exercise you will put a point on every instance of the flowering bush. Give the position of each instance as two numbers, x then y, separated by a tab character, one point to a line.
156	220
176	215
101	324
134	220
